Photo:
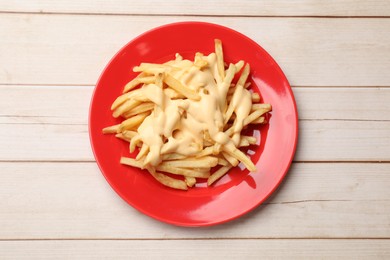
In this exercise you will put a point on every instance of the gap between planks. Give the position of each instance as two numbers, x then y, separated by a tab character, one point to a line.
200	15
192	239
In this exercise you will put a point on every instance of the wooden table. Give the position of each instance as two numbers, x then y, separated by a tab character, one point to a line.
335	201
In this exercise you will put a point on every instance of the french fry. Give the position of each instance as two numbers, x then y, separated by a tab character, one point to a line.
151	68
250	139
226	85
223	162
168	181
141	78
129	134
233	151
143	107
142	153
244	76
134	142
220	61
238	89
173	94
243	142
239	65
126	135
217	148
120	100
199	60
259	120
122	137
132	122
173	156
254	115
266	107
126	106
233	161
206	151
166	167
203	162
255	97
111	129
218	174
179	87
247	85
131	162
190	181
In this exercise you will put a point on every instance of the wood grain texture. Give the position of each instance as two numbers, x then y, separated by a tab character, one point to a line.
50	123
196	249
334	202
73	49
326	140
73	201
227	8
70	104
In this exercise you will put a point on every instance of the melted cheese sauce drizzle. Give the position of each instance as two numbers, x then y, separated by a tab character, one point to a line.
179	125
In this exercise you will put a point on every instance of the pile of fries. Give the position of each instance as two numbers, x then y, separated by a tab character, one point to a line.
209	159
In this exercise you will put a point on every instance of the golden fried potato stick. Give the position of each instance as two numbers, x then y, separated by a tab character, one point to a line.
143	152
132	122
168	181
134	142
238	88
259	120
165	167
239	65
236	153
190	181
254	115
266	107
223	162
142	78
220	61
143	107
233	161
218	174
131	162
199	60
179	87
152	68
203	162
111	129
173	156
126	106
255	97
206	151
173	94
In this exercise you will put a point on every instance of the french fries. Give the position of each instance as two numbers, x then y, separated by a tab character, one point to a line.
185	118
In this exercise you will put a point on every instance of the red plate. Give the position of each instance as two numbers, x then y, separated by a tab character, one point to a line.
239	191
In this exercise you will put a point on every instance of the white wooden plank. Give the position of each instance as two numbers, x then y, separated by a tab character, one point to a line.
45	142
70	104
312	52
343	103
198	249
227	7
343	141
45	104
73	201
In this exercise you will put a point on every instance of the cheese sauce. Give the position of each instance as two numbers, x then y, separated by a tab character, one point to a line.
179	125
